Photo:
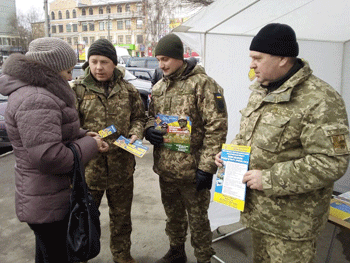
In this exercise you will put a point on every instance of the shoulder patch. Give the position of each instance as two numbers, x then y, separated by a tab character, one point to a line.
220	103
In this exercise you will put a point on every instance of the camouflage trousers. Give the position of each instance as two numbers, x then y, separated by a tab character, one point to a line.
270	249
119	200
184	206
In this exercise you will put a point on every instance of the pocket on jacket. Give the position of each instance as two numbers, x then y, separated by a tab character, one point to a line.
269	132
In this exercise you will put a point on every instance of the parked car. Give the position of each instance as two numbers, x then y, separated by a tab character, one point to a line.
142	62
4	140
143	86
142	73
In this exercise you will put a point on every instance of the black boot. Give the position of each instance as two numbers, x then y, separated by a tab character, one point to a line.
174	255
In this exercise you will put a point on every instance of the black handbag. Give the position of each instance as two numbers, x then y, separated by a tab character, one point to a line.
84	229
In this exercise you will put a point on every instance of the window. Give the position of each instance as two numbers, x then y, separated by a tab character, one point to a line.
0	41
86	40
53	29
128	39
52	16
102	37
60	28
91	26
109	25
75	27
139	7
75	41
139	23
67	14
127	8
119	9
120	39
139	39
85	27
5	41
74	13
108	9
59	15
102	26
92	40
110	39
83	12
68	28
120	24
100	10
69	40
127	24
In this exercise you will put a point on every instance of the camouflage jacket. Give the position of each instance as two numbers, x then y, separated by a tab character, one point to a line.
190	92
123	108
300	140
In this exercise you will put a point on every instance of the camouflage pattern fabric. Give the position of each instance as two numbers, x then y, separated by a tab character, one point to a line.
112	171
179	198
299	136
119	203
199	97
270	249
125	110
189	93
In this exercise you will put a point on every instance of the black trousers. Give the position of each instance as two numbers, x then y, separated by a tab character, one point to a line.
50	242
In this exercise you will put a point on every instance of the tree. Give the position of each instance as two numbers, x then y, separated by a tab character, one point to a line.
22	26
159	13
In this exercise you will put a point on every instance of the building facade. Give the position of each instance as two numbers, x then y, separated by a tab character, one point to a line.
9	40
82	22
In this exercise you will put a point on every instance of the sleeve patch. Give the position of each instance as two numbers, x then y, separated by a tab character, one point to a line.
220	103
339	144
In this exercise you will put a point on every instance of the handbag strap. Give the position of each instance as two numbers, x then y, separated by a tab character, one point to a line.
79	188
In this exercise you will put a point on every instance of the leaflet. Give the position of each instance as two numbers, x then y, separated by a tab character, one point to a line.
137	148
107	131
229	189
177	132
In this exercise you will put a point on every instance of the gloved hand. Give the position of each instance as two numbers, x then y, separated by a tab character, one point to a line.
154	136
203	180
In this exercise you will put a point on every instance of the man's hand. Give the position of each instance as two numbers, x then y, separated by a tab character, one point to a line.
253	178
154	136
218	160
133	138
203	180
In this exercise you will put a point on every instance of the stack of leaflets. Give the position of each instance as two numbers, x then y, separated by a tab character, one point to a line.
229	189
137	148
177	132
107	131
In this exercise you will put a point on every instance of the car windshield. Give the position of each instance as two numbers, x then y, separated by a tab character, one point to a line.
3	98
125	58
128	75
153	63
77	71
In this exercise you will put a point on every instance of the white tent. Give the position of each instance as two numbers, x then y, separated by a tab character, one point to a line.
221	33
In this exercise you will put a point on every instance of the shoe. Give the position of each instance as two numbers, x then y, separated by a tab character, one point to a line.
176	254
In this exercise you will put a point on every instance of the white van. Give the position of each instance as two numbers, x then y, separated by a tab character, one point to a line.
122	53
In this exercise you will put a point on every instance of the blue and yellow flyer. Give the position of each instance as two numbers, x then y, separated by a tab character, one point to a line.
177	132
229	189
137	148
107	131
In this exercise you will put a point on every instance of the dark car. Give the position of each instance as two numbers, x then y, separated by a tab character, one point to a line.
142	62
142	73
143	86
4	140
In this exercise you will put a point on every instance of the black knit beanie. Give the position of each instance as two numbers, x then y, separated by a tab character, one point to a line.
103	47
276	39
170	46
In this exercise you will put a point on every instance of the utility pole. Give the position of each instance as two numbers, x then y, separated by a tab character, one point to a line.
47	26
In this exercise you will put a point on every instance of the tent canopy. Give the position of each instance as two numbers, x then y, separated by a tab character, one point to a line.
311	19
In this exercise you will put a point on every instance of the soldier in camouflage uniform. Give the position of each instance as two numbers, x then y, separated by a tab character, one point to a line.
105	98
185	178
297	127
